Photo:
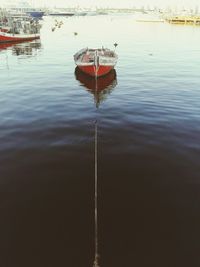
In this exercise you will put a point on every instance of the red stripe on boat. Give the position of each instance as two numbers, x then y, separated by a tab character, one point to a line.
91	70
5	39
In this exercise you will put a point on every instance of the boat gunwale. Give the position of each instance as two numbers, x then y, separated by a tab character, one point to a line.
111	59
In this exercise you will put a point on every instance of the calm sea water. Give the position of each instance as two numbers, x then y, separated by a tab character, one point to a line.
148	117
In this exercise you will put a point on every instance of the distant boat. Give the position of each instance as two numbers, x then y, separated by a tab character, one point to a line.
95	62
191	20
36	14
80	13
61	13
91	13
102	12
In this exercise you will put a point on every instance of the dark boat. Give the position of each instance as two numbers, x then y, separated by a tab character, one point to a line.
36	14
62	13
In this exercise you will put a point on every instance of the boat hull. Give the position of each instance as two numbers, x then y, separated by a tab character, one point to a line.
95	84
8	38
62	14
36	14
94	71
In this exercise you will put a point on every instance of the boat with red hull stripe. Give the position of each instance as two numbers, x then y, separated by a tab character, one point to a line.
96	62
9	37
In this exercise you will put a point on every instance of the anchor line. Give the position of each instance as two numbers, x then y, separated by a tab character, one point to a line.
96	257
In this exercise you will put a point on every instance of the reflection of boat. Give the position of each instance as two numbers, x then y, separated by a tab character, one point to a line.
19	48
100	87
96	62
7	45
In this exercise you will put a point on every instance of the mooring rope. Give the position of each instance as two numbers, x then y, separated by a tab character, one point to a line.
96	257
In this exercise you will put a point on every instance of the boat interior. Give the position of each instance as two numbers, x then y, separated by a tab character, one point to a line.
88	56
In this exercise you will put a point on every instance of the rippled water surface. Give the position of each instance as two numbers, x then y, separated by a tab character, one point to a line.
148	118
